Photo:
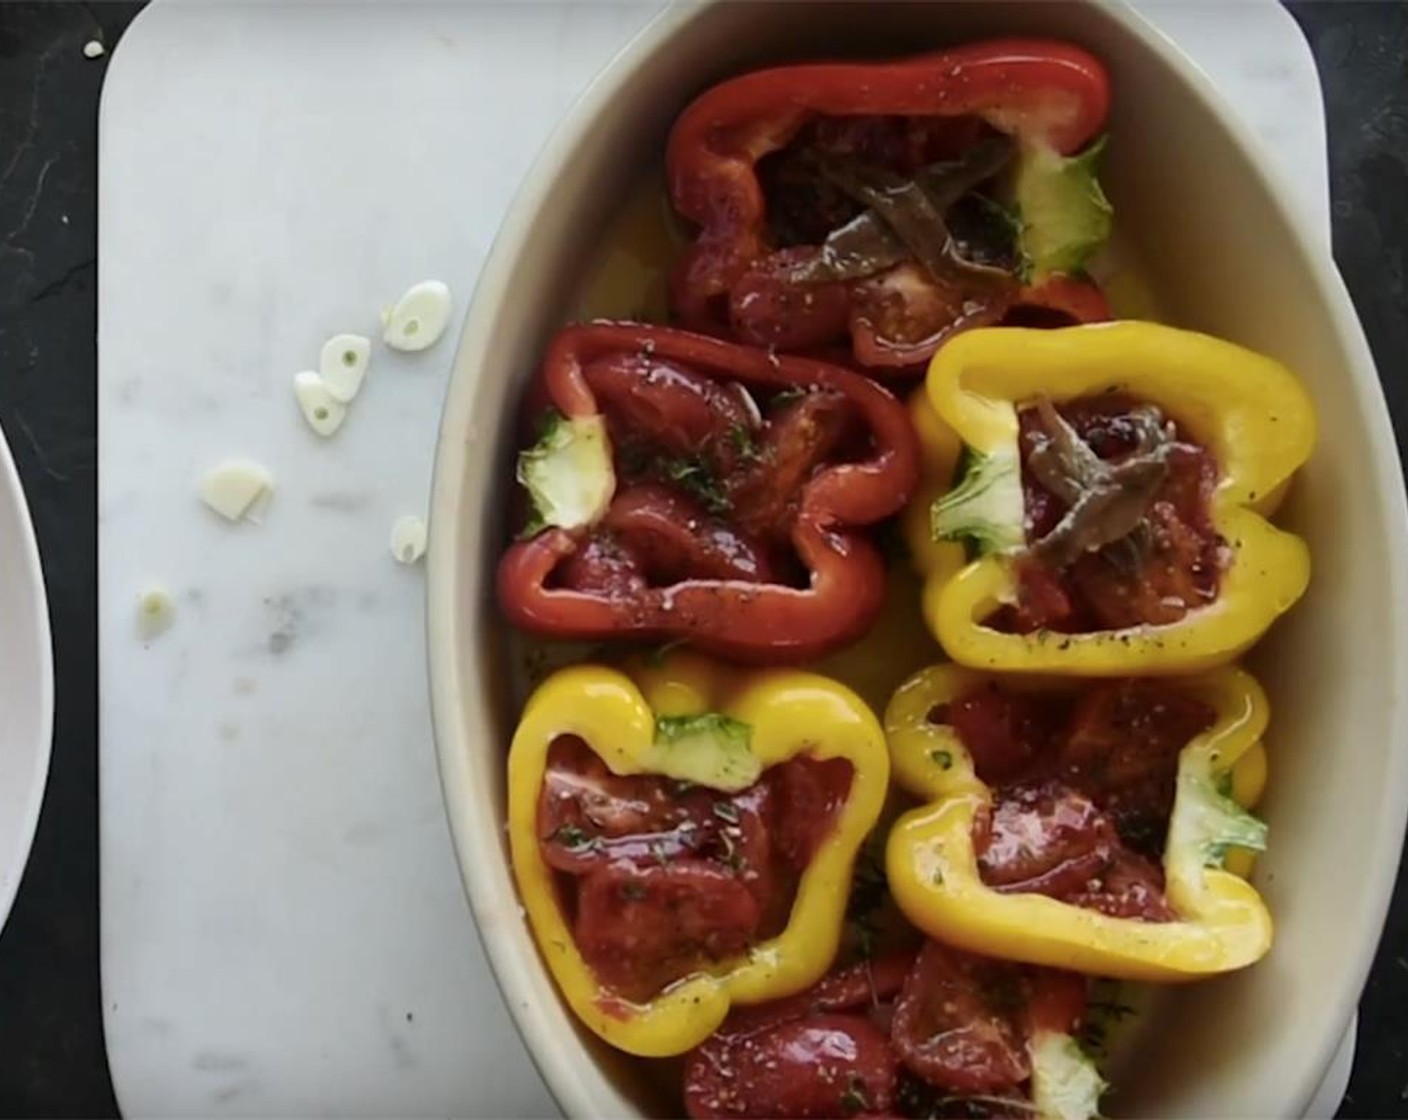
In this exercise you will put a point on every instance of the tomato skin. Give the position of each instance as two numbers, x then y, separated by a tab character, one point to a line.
768	309
675	540
801	437
1002	730
764	1060
1048	839
806	800
682	409
602	565
951	1029
826	1065
639	928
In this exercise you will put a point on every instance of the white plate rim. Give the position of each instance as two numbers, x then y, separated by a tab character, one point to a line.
33	598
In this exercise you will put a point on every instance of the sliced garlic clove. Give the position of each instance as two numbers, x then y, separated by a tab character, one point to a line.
321	409
343	365
156	612
408	537
419	317
237	489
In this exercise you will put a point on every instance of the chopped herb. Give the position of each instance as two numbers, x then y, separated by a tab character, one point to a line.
726	811
942	758
1104	1012
786	397
854	1100
633	891
741	437
869	890
734	860
572	838
692	475
937	878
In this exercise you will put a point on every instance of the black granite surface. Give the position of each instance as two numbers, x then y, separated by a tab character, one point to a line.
52	1061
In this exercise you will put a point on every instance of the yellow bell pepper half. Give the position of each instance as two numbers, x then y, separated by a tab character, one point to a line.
1249	411
933	868
618	715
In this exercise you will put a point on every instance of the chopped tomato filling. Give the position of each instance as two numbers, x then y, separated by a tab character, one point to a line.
1166	564
709	480
1083	789
662	879
828	275
903	1035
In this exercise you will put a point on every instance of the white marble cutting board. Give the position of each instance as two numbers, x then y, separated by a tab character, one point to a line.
283	928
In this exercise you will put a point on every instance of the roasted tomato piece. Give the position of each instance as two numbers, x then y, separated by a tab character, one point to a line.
767	308
900	317
1122	748
1004	731
603	565
1043	839
959	1022
675	539
822	1052
681	410
826	1065
802	435
1176	574
588	815
642	928
1129	886
806	797
1048	839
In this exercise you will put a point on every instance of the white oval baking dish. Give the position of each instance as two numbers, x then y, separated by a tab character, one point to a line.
1225	253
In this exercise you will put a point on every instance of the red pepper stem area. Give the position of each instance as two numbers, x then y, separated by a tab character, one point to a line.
771	562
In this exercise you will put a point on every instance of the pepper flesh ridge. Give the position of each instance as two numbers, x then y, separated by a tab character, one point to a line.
745	621
789	713
933	868
1041	92
1248	410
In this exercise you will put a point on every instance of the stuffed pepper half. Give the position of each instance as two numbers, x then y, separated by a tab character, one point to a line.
689	489
1112	488
884	206
1082	825
683	838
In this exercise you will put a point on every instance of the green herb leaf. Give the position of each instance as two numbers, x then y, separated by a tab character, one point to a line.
572	838
855	1099
695	477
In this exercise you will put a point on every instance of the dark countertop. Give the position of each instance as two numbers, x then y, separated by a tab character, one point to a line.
52	1061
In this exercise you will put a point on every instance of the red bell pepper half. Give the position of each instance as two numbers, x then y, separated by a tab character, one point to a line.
734	520
776	167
